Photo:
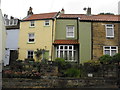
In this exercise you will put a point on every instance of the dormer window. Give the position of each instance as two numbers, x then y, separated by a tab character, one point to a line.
46	23
32	23
109	30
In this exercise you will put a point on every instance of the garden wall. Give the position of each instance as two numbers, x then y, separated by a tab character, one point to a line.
58	83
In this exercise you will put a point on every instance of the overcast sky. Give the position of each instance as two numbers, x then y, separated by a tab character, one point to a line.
19	8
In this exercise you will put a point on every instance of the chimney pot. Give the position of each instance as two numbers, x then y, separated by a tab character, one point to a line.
30	11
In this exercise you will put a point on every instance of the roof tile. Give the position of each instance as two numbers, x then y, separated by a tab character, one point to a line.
92	17
66	42
41	16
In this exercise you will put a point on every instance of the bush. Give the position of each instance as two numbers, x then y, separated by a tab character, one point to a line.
116	58
72	72
60	62
105	59
92	66
28	60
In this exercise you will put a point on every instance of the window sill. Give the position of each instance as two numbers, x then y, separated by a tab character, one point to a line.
46	25
70	37
32	27
109	37
30	42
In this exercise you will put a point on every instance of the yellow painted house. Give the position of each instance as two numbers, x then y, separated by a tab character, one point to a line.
36	32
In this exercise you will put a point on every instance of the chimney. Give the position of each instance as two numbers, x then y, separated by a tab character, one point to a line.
62	11
5	16
30	12
11	17
88	11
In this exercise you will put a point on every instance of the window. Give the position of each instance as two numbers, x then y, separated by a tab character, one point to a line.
47	23
31	37
70	31
66	51
32	23
110	50
30	54
109	30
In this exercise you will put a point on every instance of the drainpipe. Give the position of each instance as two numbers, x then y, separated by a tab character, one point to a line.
78	38
53	37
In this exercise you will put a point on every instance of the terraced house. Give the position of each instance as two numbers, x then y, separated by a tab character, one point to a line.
74	37
36	32
81	37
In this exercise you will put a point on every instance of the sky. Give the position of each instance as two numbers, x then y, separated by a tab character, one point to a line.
19	8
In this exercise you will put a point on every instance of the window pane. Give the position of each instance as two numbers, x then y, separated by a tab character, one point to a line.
113	52
61	47
109	25
61	54
65	56
70	47
109	32
47	22
57	53
107	52
31	37
30	54
70	55
65	47
70	31
70	34
113	47
107	47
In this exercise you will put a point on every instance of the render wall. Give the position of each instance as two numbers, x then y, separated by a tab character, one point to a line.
85	41
43	38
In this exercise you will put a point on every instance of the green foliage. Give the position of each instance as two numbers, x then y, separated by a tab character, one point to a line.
91	66
105	59
60	62
72	72
38	53
116	58
92	62
29	60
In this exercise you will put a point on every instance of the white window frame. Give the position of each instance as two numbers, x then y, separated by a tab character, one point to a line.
107	27
30	55
29	38
67	31
110	49
63	52
32	23
47	22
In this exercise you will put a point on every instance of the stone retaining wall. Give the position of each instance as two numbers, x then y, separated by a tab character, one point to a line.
58	83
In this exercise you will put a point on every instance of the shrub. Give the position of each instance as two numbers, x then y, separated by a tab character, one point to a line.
116	58
60	62
105	59
92	66
72	72
28	60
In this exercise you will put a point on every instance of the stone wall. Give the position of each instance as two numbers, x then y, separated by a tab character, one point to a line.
99	38
58	83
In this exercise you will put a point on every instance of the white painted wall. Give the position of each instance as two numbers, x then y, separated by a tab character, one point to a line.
2	40
11	43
